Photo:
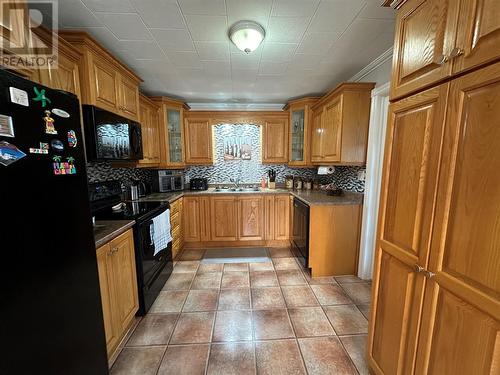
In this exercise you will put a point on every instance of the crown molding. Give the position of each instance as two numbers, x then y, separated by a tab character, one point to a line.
236	106
387	55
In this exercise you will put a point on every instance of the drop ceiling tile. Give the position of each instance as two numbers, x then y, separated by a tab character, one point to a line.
244	75
160	13
335	15
217	69
157	67
255	10
212	7
175	40
207	28
304	62
272	68
241	60
126	26
75	15
143	49
374	10
103	36
317	43
213	50
286	29
185	59
294	8
278	52
118	6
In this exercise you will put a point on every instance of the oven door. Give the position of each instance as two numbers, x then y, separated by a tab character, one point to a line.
300	234
154	266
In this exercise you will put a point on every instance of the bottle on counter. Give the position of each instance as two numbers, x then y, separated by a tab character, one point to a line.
297	183
263	183
316	184
308	183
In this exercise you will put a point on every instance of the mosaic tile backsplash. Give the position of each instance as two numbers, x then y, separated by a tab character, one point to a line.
251	171
103	171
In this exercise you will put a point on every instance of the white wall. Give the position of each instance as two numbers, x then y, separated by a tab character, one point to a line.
378	71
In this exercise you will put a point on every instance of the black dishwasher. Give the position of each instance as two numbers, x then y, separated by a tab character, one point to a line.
300	235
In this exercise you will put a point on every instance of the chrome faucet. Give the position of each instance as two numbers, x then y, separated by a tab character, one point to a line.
236	182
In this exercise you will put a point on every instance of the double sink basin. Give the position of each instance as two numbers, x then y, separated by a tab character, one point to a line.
237	190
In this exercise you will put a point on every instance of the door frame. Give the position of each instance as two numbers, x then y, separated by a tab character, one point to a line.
374	166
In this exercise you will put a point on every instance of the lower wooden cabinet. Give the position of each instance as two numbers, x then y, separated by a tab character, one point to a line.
118	284
224	218
176	224
236	218
251	218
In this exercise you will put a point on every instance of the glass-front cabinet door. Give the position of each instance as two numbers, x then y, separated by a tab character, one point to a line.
297	136
174	135
300	129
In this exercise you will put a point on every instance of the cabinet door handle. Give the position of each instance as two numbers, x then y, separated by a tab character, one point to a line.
418	268
429	274
443	59
455	52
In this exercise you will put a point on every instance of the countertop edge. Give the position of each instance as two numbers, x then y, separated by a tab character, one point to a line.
349	197
117	227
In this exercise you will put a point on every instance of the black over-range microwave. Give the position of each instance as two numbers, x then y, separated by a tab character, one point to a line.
109	136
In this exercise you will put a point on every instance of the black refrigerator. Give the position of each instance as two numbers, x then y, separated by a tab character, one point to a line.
50	310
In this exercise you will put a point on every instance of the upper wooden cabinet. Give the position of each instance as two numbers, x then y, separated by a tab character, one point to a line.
66	75
198	140
149	119
340	125
275	140
439	38
105	82
299	139
171	132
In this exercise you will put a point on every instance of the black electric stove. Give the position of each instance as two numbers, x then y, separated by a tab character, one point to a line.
154	266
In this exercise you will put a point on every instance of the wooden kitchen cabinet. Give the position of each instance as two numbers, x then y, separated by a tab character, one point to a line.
410	174
437	39
224	218
105	81
198	141
118	285
176	223
281	217
251	218
275	141
299	150
340	122
149	119
171	132
436	307
192	219
66	76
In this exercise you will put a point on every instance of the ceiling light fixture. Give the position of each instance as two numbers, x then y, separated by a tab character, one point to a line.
247	35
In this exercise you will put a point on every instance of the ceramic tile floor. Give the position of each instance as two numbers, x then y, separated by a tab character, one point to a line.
250	318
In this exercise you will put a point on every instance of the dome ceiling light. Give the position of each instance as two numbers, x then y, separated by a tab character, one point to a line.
247	35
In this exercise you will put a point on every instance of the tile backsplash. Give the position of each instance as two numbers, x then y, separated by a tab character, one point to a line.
251	171
247	171
103	171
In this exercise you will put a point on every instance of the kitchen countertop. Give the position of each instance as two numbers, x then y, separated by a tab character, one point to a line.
311	197
107	230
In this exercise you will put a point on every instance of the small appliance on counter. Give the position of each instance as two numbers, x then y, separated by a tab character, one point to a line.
297	183
165	181
153	259
137	190
198	184
289	182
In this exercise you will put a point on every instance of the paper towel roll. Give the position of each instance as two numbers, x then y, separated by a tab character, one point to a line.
326	170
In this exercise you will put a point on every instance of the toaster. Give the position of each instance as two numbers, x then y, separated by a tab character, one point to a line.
198	184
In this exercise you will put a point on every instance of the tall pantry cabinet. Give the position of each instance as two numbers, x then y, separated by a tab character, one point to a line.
436	289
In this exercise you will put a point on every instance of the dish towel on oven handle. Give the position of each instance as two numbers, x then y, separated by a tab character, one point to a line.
160	231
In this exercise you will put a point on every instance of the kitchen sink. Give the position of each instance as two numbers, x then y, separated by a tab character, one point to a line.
237	190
